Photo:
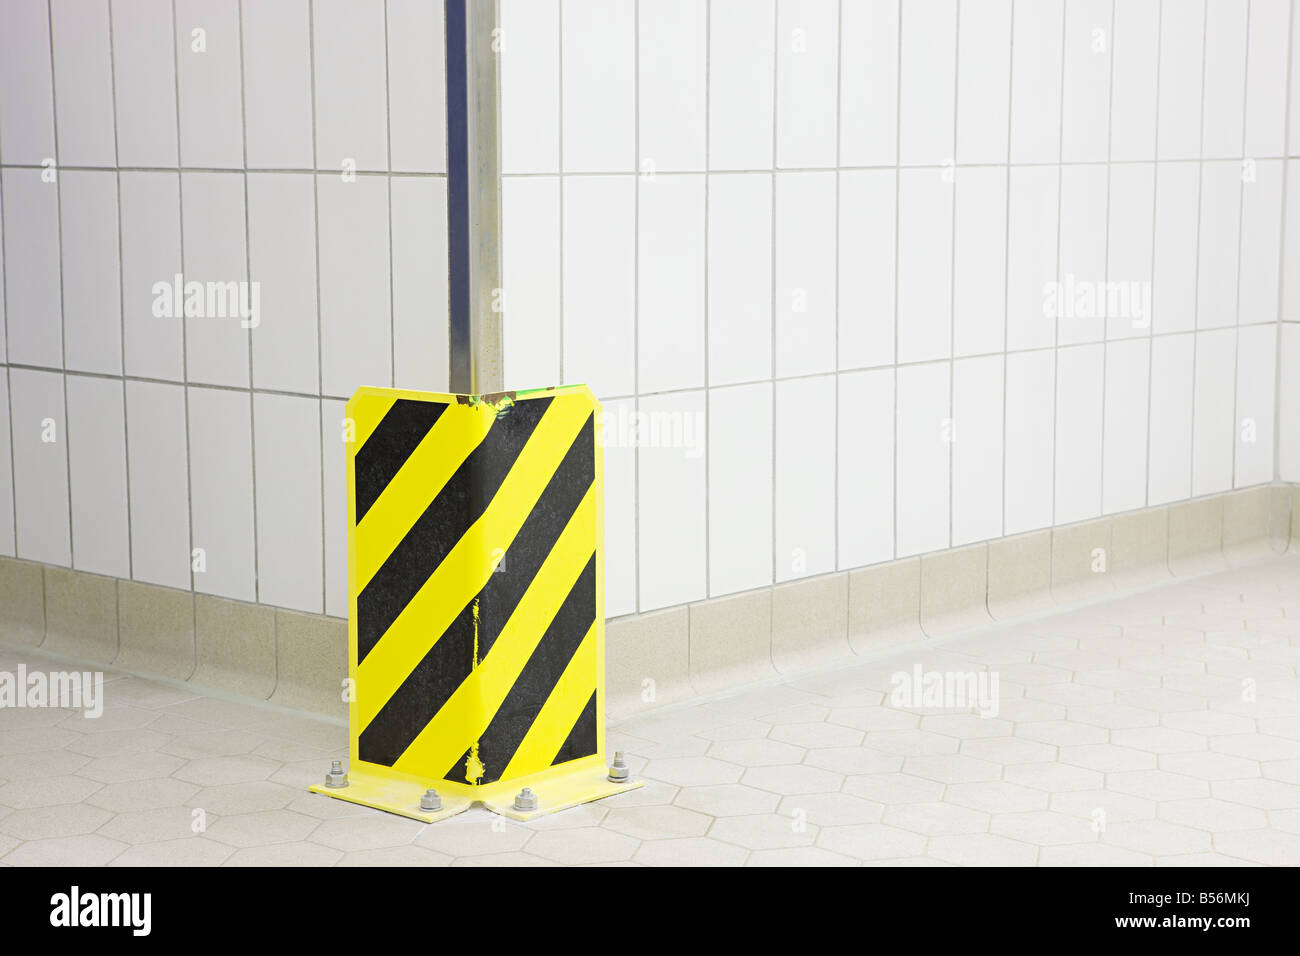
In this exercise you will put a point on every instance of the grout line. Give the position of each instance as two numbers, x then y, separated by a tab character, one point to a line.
898	158
636	303
835	287
121	302
1152	335
952	274
1241	220
248	274
1281	254
320	360
772	309
708	395
1105	262
1196	268
1060	193
1006	255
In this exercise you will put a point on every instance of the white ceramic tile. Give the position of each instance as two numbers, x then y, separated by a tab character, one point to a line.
740	488
1291	251
1079	385
1081	300
1031	255
92	291
530	216
97	468
804	485
208	75
807	76
215	254
1182	51
355	304
741	94
335	494
287	456
1124	433
980	261
1029	437
620	510
31	240
599	284
984	81
1220	219
1135	69
1085	97
868	82
1225	78
1212	414
221	491
420	306
153	345
1173	281
3	323
277	83
530	86
159	483
868	200
1261	238
6	472
977	396
925	201
1266	69
282	259
598	121
1129	248
805	273
740	278
417	80
865	510
1036	57
83	83
1256	403
927	79
350	84
670	283
40	465
144	82
26	83
671	499
671	87
922	464
1288	406
1169	461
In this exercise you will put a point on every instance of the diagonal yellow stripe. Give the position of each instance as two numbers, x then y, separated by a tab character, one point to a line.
366	412
470	563
560	712
466	715
457	432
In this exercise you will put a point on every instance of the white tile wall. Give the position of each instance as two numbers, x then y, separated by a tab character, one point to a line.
836	254
209	140
862	209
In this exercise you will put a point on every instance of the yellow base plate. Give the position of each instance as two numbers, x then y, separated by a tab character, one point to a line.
555	792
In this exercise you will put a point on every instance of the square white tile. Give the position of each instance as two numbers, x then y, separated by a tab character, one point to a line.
1182	55
420	304
40	466
158	463
977	450
97	469
925	203
983	81
144	82
741	80
1029	441
351	84
1081	299
599	283
671	88
979	301
209	78
1261	238
83	83
92	274
1225	78
1169	461
1080	381
805	273
530	217
740	278
1124	433
865	466
868	212
1031	256
807	77
1213	411
417	86
1129	247
922	464
1036	57
1266	70
804	480
670	283
598	85
1256	404
927	82
740	488
530	86
287	454
869	82
26	83
1086	94
277	84
1217	250
1173	279
33	308
153	323
221	492
671	499
213	229
1135	70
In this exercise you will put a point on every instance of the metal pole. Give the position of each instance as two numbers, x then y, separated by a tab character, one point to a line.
473	196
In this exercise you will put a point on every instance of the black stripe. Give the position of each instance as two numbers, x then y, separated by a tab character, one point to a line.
581	741
388	447
538	678
443	669
458	505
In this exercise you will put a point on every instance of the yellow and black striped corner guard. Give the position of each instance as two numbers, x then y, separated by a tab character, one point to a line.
476	625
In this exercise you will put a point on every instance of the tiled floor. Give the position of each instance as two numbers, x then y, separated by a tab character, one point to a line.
1157	729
